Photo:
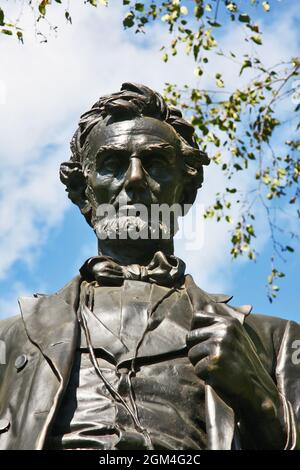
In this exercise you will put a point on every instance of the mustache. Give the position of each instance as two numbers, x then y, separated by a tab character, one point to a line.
129	226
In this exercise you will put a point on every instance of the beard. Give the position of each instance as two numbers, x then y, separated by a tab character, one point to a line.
124	227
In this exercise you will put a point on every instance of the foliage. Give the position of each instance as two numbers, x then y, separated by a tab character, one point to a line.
239	127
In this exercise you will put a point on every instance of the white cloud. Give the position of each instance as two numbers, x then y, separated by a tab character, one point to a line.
9	305
31	202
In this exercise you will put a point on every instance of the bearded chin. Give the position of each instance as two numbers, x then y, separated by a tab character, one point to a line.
131	227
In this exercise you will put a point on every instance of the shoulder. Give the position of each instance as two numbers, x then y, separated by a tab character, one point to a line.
269	329
266	322
31	304
12	333
9	323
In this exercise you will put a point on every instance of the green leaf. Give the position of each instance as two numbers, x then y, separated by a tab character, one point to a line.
166	18
184	10
128	20
266	6
231	190
237	167
244	18
68	17
139	7
247	63
253	27
198	71
20	36
6	31
214	24
231	7
250	230
196	50
257	39
1	17
198	11
42	7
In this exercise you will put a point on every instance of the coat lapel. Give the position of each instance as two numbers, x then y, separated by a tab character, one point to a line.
102	337
51	325
118	329
170	328
169	337
165	331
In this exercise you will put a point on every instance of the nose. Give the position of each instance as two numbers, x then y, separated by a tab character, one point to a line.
135	178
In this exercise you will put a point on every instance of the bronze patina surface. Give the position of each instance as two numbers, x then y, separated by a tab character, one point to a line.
132	354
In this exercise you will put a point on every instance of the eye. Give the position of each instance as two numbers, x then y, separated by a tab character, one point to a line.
155	165
110	165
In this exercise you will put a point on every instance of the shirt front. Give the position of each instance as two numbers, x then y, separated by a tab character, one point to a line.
159	400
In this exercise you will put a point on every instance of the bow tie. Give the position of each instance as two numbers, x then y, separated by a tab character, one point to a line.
163	270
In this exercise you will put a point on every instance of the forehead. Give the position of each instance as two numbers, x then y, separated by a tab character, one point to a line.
135	134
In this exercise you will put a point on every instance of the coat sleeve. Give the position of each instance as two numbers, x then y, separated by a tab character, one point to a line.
288	382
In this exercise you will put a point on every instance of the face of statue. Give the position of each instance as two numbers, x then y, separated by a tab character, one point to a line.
133	166
134	162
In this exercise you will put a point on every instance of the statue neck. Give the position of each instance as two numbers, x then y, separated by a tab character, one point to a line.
134	251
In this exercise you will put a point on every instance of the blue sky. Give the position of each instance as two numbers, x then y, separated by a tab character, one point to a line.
43	238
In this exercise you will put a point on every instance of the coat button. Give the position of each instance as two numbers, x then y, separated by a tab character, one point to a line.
4	425
21	361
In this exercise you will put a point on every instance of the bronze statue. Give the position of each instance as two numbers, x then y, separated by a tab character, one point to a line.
131	354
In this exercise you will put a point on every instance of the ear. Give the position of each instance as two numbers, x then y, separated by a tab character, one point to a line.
72	176
193	179
189	194
188	199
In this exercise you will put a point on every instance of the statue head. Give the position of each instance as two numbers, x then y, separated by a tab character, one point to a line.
132	148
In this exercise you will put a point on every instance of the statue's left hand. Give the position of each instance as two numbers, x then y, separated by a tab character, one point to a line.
225	358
